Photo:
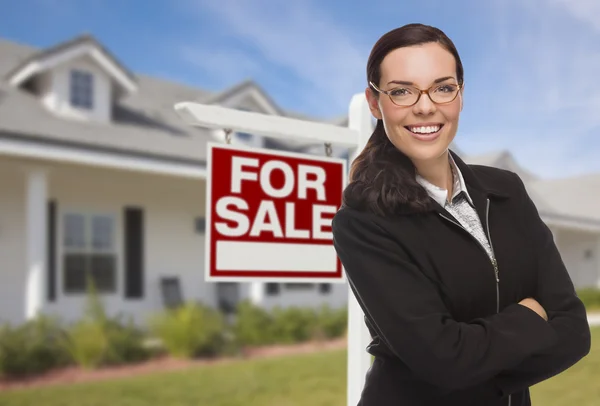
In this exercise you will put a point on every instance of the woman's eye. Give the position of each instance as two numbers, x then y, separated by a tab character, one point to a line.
446	88
400	92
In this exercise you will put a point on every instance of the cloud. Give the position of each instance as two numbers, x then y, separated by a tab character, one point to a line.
223	66
297	38
535	85
586	11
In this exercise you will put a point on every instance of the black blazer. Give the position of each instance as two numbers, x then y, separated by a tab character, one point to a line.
447	330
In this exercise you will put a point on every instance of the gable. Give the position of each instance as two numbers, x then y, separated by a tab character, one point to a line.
248	96
82	48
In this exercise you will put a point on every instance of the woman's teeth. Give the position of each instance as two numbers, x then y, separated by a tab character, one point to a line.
425	130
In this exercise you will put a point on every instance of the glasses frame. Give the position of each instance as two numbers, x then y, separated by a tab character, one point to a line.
421	92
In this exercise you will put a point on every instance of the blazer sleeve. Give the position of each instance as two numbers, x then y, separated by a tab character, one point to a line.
566	313
407	312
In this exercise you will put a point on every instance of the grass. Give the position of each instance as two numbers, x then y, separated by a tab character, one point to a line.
590	298
315	379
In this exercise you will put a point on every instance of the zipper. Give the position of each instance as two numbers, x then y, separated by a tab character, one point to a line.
493	259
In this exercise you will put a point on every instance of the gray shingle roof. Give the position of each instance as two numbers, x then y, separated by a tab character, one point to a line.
86	38
576	196
503	160
143	122
13	54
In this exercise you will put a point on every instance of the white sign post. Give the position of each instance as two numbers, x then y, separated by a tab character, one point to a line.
354	137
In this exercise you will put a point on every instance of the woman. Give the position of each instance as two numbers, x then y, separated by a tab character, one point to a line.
463	289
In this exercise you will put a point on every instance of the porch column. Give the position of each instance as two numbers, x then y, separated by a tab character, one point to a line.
257	292
35	268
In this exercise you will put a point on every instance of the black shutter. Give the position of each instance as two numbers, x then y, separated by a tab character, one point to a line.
134	252
51	251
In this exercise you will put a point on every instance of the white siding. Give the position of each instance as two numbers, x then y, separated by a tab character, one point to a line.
302	297
172	246
12	243
575	248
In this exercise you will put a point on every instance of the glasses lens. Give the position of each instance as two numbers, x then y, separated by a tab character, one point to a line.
444	93
404	96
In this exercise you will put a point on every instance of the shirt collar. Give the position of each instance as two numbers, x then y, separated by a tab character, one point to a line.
440	194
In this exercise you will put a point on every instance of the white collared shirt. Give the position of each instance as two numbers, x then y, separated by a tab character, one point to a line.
461	205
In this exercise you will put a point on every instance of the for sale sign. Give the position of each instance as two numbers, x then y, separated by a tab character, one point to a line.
269	215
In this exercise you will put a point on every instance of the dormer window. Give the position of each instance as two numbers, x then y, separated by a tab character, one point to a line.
82	89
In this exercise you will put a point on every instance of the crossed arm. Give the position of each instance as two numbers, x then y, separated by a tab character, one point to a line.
500	354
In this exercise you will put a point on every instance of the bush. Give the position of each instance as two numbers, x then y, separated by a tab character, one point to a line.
332	323
98	340
590	298
33	347
190	331
293	325
253	325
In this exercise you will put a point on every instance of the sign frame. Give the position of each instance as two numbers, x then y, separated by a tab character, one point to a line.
208	230
355	137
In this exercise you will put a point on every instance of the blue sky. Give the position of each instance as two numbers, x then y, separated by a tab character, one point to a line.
530	65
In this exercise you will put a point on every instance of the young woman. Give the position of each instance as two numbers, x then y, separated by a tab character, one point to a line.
463	289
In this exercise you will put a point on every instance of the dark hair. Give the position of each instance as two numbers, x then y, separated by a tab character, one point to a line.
382	178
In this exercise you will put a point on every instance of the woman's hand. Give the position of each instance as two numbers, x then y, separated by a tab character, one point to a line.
535	306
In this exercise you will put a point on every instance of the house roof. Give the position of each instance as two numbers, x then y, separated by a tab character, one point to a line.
570	196
502	159
85	44
144	122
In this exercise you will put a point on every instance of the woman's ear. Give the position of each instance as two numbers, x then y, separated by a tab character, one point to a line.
462	96
373	103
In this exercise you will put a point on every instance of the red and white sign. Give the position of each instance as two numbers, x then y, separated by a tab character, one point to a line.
269	215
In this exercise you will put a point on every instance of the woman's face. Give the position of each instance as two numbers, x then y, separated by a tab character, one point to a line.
421	65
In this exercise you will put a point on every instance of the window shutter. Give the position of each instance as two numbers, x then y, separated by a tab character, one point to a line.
51	251
134	252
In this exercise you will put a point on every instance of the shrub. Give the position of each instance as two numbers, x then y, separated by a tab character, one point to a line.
332	323
98	340
256	326
34	347
293	324
190	331
253	325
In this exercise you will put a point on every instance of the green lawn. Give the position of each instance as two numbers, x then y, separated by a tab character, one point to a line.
315	380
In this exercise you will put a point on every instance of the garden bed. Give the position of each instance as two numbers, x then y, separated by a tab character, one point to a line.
167	363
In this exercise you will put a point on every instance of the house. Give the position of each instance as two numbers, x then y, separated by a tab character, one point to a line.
100	178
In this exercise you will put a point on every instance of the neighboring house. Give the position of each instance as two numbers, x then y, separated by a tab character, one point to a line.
100	178
570	209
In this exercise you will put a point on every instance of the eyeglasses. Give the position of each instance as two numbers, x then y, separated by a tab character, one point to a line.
406	96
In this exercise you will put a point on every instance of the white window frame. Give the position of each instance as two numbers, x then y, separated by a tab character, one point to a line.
85	100
88	215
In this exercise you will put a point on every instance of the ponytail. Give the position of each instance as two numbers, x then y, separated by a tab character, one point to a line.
382	179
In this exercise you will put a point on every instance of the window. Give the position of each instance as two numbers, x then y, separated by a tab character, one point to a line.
324	288
299	286
244	136
82	89
272	289
89	252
